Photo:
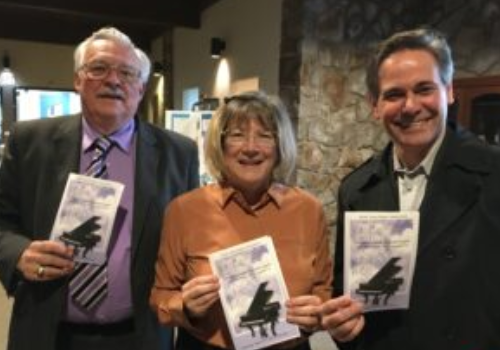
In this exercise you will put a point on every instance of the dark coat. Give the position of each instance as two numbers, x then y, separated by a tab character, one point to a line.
454	302
38	159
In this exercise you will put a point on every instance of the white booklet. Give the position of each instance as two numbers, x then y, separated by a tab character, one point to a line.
253	294
380	253
86	216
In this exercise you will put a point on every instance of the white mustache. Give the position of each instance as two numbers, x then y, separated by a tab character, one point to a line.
111	94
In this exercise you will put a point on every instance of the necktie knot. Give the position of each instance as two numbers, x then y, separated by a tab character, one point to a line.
102	144
97	167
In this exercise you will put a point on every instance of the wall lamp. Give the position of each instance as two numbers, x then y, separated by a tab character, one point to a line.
7	77
158	69
217	46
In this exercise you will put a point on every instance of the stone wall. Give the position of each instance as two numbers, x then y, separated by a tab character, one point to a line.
324	49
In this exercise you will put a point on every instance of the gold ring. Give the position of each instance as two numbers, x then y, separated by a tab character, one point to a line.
40	271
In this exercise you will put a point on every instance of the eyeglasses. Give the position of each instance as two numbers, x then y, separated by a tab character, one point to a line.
100	70
238	138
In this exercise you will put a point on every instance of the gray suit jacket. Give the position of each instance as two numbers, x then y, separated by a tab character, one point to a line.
452	303
38	159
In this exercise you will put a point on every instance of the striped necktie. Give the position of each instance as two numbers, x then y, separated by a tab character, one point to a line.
88	284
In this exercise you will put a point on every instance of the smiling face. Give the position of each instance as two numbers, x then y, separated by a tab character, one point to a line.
250	155
110	102
412	104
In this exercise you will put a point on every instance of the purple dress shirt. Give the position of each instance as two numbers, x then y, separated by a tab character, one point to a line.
121	168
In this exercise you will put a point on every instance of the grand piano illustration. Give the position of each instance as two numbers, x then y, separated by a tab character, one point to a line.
261	312
383	283
83	236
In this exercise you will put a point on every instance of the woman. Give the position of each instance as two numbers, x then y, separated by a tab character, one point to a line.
251	152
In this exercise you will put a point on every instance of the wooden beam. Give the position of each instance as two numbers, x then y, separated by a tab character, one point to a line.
154	14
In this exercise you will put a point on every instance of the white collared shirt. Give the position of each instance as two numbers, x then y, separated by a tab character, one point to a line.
413	183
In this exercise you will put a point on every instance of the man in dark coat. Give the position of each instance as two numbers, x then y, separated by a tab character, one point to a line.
451	179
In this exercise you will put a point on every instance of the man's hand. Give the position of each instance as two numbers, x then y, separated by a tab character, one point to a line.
343	318
199	294
46	260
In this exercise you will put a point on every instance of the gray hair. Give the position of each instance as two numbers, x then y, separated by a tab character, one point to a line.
426	39
113	34
271	112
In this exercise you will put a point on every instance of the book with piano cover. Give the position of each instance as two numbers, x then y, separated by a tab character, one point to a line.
379	260
86	216
253	294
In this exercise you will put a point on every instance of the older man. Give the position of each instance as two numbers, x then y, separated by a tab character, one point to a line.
153	164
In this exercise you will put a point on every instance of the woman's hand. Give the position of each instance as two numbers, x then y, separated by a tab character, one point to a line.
343	318
199	294
304	311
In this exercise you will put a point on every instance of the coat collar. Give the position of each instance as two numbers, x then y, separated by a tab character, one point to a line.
458	150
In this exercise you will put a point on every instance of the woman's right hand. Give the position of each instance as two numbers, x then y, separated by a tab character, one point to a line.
199	294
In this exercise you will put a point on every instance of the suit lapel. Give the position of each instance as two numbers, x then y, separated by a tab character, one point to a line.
454	187
146	169
67	144
377	190
62	148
